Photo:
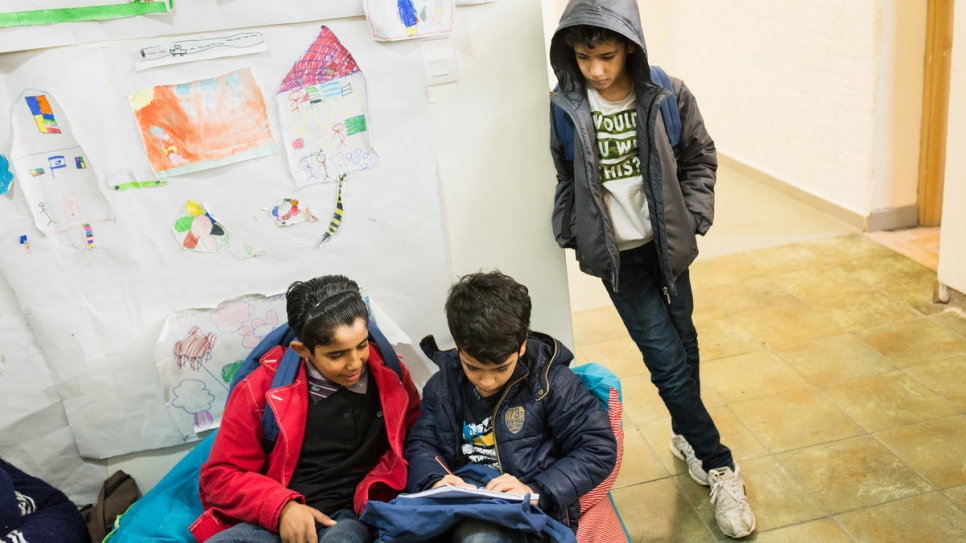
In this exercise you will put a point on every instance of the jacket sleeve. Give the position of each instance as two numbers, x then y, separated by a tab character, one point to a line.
33	511
563	219
231	480
581	430
423	444
697	160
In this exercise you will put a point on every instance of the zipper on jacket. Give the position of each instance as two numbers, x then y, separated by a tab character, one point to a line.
667	295
496	409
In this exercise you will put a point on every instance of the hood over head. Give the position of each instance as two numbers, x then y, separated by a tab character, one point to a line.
621	16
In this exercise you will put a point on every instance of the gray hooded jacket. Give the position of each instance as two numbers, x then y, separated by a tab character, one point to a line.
678	182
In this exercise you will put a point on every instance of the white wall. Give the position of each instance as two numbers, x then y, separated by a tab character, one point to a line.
952	249
478	145
823	95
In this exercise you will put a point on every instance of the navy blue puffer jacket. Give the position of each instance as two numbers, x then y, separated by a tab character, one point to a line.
551	433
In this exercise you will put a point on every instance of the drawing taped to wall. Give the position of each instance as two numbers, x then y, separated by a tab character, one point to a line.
199	231
62	192
323	111
289	211
336	220
181	50
203	124
199	351
6	176
391	20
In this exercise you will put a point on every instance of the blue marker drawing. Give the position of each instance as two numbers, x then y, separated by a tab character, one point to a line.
6	176
407	14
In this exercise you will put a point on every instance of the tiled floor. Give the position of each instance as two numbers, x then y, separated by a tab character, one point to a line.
839	386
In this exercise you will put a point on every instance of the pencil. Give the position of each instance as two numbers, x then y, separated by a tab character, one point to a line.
441	463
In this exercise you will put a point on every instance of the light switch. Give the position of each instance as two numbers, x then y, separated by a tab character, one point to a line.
440	65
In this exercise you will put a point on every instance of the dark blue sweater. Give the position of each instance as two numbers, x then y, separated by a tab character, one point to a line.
32	511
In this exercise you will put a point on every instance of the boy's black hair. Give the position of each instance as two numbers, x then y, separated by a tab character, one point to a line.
591	36
318	306
488	316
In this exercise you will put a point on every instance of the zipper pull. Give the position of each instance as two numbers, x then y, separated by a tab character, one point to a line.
667	295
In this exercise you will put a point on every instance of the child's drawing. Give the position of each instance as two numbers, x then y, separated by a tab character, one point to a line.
203	124
199	351
194	398
323	112
198	231
6	176
69	196
403	19
289	211
194	349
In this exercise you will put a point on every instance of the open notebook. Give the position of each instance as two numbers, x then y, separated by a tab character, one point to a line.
462	492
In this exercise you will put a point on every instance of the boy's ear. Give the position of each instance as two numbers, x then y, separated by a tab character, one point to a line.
523	348
629	47
300	348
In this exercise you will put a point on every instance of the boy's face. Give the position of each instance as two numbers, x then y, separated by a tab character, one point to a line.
341	361
605	67
489	379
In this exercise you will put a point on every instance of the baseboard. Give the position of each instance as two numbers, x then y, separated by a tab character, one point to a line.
847	216
893	218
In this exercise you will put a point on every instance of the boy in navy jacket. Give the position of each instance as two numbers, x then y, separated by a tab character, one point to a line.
505	398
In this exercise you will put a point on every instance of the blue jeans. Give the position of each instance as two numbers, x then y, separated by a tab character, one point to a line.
479	531
348	529
665	334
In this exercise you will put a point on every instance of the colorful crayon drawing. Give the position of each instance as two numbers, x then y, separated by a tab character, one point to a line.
322	108
198	231
203	124
391	20
43	114
289	211
43	143
88	236
6	176
199	351
336	220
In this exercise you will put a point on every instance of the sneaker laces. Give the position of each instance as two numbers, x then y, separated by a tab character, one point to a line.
732	487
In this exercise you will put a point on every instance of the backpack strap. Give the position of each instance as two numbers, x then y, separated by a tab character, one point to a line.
669	108
288	368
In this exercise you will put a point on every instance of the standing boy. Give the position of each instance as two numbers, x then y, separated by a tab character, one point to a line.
630	202
506	399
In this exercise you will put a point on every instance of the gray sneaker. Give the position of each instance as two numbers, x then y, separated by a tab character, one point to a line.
681	449
731	508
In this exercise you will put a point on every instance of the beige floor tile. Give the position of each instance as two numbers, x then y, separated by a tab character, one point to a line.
859	310
659	512
743	295
934	449
748	376
914	342
721	270
787	324
642	403
796	419
849	249
853	473
946	378
827	281
658	435
957	495
888	400
597	325
890	270
776	498
640	463
621	356
930	518
832	359
821	531
786	258
720	338
952	319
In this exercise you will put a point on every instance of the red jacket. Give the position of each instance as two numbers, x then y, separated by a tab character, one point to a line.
240	483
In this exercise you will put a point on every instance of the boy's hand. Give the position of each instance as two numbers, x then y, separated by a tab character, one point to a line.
296	524
452	480
508	483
